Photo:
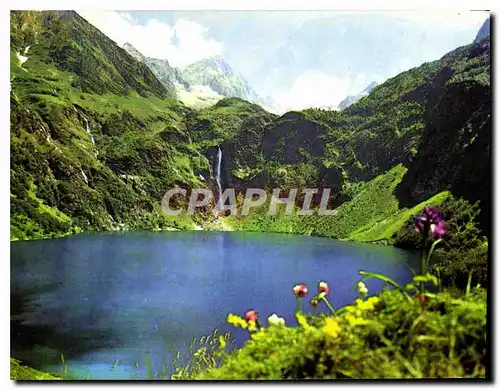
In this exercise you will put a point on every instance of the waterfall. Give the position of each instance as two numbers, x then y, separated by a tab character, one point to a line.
217	172
87	127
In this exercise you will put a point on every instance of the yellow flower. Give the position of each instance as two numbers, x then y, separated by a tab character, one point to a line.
350	309
331	327
252	325
353	321
236	321
369	304
365	306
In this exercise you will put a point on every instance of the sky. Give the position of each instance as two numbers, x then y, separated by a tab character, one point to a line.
298	58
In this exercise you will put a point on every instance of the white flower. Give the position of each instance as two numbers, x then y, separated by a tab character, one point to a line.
323	287
362	289
275	320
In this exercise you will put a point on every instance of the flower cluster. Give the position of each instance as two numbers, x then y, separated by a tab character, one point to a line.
323	291
300	290
367	305
275	320
332	326
237	321
251	321
430	222
362	289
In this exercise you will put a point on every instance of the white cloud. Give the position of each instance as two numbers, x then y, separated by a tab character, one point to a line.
445	19
314	88
181	44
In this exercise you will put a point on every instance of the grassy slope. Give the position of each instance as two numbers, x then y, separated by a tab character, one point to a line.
138	131
387	228
372	215
24	373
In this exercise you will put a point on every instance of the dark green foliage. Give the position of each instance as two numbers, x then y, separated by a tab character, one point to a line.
455	151
463	249
455	267
78	47
400	338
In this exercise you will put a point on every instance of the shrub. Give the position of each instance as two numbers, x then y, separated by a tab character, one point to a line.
463	250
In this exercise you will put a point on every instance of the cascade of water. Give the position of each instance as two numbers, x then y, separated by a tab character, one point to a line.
217	172
87	127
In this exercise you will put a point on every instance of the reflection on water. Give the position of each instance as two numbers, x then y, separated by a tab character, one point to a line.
96	298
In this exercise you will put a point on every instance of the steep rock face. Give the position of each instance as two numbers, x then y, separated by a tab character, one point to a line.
134	52
237	127
244	150
455	151
201	84
484	31
270	152
293	138
168	75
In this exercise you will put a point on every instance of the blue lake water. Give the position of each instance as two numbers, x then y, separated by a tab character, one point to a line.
96	298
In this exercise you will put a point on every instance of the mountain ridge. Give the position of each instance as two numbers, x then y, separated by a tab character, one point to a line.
216	73
351	99
484	31
202	83
168	75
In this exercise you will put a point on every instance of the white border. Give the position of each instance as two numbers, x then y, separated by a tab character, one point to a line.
181	5
361	5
